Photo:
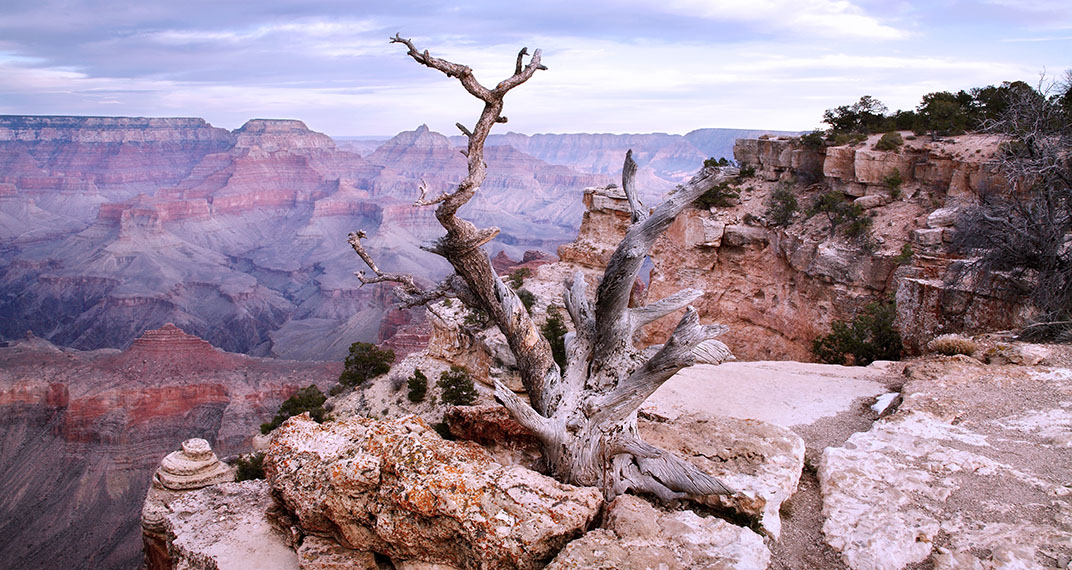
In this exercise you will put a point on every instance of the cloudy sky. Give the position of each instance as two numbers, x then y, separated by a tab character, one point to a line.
615	66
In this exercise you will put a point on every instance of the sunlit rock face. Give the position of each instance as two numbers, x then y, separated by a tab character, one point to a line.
779	288
82	433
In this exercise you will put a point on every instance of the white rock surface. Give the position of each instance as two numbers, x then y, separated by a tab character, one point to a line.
638	536
971	472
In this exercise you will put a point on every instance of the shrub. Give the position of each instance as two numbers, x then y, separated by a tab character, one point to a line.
890	141
781	205
869	337
813	140
746	171
840	212
893	181
517	276
457	387
950	344
249	467
476	319
712	163
906	254
527	298
309	399
418	386
720	196
554	330
365	361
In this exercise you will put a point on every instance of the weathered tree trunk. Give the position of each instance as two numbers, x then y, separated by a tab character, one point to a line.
584	416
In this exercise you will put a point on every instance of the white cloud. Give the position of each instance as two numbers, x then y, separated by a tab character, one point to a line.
829	18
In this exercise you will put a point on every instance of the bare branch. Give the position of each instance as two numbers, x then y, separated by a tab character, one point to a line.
420	201
462	72
678	352
612	298
524	413
629	170
669	471
465	130
641	316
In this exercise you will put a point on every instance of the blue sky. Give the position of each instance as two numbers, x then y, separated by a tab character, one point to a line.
615	66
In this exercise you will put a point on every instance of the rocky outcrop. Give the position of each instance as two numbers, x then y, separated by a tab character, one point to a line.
606	219
970	472
637	536
780	288
397	488
83	433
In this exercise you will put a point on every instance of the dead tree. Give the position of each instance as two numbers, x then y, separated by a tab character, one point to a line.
586	415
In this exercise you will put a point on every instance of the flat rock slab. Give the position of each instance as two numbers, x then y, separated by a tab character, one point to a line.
974	471
225	527
783	393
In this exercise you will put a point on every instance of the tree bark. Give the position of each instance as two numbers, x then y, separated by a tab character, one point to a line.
586	415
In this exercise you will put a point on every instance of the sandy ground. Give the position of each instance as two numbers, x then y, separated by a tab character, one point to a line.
823	404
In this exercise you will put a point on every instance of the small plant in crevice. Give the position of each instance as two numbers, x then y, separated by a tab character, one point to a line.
554	330
746	171
365	361
528	299
870	336
456	387
893	182
418	386
309	399
782	205
906	255
517	277
476	319
249	467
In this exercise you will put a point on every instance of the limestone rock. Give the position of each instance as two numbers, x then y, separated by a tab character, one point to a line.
317	553
759	458
637	536
970	472
942	218
740	235
193	467
397	488
225	527
928	237
871	201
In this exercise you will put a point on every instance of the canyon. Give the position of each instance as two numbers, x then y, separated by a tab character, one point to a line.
84	430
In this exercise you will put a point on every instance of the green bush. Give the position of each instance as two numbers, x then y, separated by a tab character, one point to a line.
746	171
554	330
477	319
893	181
906	254
781	205
309	399
418	386
517	276
813	140
365	361
890	141
869	337
527	298
841	214
251	468
713	163
720	196
457	387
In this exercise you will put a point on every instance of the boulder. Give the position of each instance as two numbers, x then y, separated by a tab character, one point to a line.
637	536
942	218
928	237
871	201
395	487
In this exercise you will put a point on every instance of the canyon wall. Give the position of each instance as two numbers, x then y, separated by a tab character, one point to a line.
111	226
83	431
779	288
